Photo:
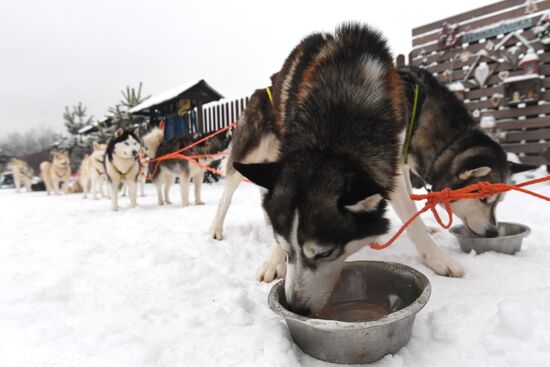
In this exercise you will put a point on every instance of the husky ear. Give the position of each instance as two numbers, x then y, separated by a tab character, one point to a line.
119	132
136	132
368	204
262	174
361	194
520	167
476	172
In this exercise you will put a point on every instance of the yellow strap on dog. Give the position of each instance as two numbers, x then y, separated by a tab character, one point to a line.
268	90
410	129
122	175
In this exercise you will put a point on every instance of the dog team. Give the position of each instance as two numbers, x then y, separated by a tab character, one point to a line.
330	143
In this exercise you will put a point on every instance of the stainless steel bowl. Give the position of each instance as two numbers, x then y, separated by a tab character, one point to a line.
508	242
401	289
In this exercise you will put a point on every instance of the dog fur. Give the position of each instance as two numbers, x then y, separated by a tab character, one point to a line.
56	173
92	172
335	133
167	170
22	174
449	150
122	165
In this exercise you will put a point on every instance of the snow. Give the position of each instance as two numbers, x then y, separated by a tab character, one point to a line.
456	87
518	78
83	286
531	55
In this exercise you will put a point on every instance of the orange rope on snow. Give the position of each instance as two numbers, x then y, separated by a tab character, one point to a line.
479	190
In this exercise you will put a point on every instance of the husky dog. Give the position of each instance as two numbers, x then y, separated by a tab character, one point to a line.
121	164
339	112
167	170
56	173
449	150
22	174
143	171
92	172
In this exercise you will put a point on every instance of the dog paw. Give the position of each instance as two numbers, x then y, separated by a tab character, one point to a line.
442	265
216	233
271	270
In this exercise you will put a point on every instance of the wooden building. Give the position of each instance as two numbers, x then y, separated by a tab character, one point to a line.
182	105
498	57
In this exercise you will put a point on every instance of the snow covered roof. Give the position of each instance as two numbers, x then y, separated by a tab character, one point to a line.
531	55
208	94
519	78
456	87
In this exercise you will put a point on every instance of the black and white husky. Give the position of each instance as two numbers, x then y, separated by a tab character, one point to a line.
163	176
335	141
449	150
122	164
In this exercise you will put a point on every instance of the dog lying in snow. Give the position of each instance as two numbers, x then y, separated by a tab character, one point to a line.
56	173
164	176
22	174
122	165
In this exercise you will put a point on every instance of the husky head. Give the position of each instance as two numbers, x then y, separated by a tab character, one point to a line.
124	144
99	151
61	159
321	213
478	164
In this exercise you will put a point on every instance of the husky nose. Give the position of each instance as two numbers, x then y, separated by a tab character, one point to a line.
134	153
491	233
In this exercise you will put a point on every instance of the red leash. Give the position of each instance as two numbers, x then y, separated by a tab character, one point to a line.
478	190
178	154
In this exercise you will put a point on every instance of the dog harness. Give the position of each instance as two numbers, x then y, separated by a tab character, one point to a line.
269	95
122	175
410	128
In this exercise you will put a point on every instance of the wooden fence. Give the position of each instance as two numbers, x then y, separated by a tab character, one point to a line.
222	114
481	51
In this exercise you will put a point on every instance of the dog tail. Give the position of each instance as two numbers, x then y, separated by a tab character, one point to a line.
152	141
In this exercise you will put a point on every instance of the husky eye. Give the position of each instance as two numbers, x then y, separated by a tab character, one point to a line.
324	254
127	144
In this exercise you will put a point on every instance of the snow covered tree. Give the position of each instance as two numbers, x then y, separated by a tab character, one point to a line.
119	113
75	119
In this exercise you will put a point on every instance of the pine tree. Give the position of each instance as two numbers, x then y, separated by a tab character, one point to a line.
120	114
75	119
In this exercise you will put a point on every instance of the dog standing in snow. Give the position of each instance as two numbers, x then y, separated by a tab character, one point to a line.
22	174
167	170
56	173
122	165
92	172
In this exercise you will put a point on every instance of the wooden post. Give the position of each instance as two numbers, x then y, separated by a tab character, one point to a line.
200	126
400	61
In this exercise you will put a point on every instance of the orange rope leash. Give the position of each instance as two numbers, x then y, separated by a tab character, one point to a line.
478	190
177	154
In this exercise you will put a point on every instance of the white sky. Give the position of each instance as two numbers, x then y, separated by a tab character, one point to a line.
59	52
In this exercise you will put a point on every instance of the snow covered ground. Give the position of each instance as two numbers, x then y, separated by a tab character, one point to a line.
83	286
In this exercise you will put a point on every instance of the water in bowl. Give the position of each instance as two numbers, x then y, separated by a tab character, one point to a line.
352	311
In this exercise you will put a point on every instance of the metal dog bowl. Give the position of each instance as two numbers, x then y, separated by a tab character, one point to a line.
400	289
508	242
